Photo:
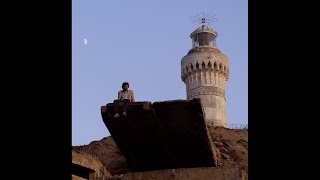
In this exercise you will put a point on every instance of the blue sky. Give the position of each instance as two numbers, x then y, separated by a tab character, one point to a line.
142	42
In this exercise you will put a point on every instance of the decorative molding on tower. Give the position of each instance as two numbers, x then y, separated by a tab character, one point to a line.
206	90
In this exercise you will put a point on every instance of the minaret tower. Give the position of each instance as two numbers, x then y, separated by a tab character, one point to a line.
205	71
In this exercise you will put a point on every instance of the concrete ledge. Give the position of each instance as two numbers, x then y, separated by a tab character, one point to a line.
162	135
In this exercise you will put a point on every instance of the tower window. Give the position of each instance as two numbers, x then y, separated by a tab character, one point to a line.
203	39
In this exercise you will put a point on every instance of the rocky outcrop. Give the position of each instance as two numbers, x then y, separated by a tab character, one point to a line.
231	149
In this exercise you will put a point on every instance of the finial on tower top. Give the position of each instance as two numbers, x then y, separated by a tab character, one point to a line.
203	18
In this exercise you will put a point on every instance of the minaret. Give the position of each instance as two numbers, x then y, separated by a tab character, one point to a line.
205	71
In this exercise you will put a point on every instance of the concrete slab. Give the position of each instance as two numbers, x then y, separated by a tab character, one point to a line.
162	135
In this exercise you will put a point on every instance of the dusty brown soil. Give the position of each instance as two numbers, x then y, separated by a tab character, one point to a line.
231	147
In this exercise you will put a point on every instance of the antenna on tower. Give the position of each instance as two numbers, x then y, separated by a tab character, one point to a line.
202	18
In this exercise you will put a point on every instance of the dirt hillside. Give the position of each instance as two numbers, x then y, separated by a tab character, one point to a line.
231	147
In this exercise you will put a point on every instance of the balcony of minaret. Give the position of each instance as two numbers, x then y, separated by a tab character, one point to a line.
205	75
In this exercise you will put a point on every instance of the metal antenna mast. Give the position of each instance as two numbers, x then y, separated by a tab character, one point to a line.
202	18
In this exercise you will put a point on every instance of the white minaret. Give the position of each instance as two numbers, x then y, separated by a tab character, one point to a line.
205	71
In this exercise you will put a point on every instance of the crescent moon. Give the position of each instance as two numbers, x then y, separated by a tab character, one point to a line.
85	41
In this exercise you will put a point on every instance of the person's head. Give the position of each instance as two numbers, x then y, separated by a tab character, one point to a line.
125	86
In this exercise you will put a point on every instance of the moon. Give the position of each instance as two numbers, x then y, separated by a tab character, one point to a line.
85	41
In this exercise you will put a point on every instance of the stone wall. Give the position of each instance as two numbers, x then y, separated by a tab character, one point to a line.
89	166
186	174
74	177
